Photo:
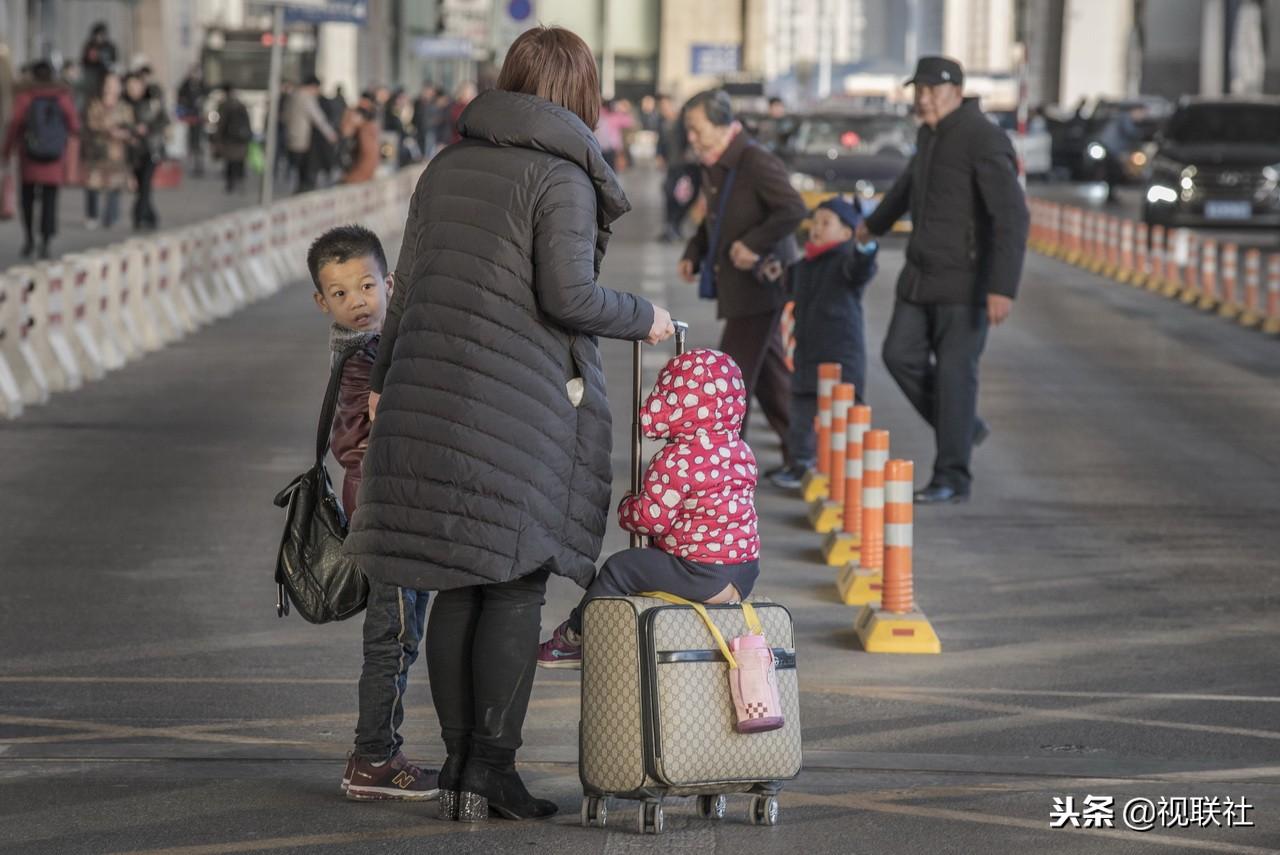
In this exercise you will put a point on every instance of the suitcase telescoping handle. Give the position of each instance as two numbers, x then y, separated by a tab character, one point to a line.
637	433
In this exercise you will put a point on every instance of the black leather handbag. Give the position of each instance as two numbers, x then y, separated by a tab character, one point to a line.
312	571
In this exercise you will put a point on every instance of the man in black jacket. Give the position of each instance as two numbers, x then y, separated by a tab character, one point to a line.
964	260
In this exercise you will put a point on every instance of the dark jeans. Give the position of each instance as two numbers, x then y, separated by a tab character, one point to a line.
144	210
110	212
635	571
307	163
802	442
234	173
393	622
754	343
482	650
932	351
48	194
677	210
195	146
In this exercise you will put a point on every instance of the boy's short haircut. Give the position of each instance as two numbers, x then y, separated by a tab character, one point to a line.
341	244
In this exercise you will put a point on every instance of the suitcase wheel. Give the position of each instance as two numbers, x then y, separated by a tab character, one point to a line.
712	807
763	811
595	811
650	818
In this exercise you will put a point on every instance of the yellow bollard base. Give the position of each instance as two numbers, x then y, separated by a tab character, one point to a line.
840	548
888	632
1171	291
1190	295
1097	266
1272	326
815	487
857	586
1111	271
1230	311
826	516
1154	283
1071	257
1249	319
1138	280
1207	303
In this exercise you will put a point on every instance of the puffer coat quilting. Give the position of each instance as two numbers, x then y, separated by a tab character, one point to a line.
480	468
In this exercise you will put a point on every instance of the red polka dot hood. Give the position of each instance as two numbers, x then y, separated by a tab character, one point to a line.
698	496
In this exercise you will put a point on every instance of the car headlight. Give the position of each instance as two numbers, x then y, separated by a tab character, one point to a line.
1096	151
1158	193
805	183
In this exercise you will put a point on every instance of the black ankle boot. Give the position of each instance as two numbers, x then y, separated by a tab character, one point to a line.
451	777
486	787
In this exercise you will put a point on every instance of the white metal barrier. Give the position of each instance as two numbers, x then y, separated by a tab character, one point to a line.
67	322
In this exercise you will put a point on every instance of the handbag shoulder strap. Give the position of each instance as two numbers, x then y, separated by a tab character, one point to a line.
325	428
725	191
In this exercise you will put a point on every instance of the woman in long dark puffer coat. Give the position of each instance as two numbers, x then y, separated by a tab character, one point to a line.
489	462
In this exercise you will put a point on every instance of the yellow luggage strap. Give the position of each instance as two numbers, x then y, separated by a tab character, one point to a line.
748	613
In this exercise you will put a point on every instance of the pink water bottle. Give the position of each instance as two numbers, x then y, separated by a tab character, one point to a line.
754	685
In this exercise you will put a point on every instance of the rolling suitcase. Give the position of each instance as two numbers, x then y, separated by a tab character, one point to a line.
658	718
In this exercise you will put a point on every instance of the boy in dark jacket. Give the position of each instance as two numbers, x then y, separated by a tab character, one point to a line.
827	287
349	269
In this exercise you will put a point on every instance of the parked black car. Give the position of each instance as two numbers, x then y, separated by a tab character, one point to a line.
1217	162
860	153
1108	140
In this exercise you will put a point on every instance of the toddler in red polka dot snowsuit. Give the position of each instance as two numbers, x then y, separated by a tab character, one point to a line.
697	502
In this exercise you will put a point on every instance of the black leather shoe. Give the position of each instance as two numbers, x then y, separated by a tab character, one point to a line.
484	788
940	494
981	430
451	778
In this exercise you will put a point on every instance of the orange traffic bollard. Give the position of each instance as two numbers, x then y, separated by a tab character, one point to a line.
842	545
895	625
1251	312
1207	296
817	480
860	581
825	515
1155	260
1229	292
1272	323
1128	266
1074	225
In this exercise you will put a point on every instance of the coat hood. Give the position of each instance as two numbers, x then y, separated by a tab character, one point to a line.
527	121
697	393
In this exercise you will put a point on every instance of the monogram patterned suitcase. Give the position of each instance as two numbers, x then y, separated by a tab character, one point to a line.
658	718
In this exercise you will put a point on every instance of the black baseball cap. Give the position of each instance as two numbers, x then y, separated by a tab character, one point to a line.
936	70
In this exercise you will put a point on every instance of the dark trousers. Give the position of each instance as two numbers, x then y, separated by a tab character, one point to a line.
482	650
308	167
802	442
393	623
195	147
932	352
754	343
48	195
234	174
144	209
676	209
635	571
110	211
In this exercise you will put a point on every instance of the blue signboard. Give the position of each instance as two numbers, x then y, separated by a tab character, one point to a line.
328	11
713	60
444	47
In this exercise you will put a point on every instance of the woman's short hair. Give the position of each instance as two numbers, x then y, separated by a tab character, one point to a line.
554	63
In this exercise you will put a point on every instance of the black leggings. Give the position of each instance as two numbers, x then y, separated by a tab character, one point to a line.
48	211
482	650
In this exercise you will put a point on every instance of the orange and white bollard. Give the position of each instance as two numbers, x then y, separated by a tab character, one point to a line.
825	515
896	625
1141	237
1186	261
1057	230
1074	243
1109	255
842	546
1272	323
787	330
1251	312
1207	297
817	481
1128	266
1230	307
859	582
1154	267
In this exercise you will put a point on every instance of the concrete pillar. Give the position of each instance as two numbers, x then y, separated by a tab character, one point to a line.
1095	43
336	58
684	24
1213	48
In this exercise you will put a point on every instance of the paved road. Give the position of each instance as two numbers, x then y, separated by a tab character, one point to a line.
1107	605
